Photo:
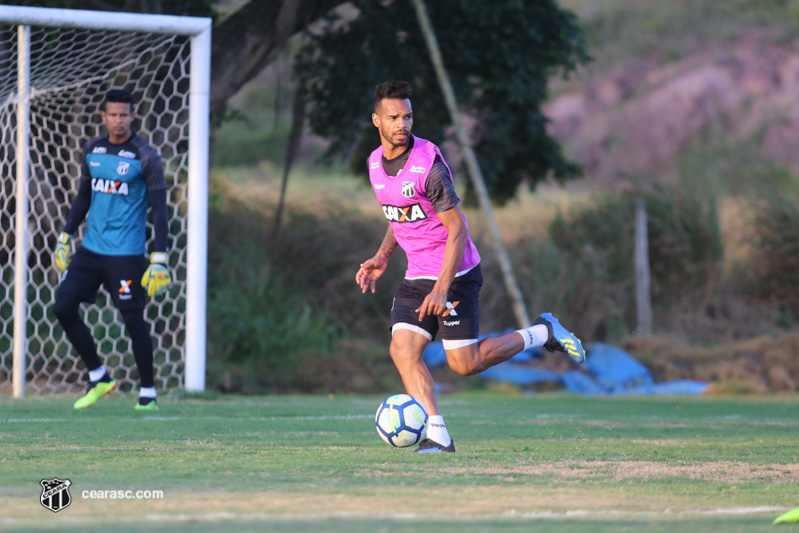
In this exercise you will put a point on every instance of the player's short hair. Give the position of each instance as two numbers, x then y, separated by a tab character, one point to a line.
393	90
118	96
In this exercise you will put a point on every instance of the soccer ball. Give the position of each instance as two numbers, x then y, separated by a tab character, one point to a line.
401	420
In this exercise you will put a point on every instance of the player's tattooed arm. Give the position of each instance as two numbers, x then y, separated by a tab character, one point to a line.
371	269
389	243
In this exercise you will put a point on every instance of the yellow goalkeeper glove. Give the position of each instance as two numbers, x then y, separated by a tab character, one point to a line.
63	251
156	278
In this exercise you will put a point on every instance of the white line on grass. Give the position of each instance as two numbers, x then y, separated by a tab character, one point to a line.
668	512
510	515
92	420
173	418
26	420
543	514
322	417
739	510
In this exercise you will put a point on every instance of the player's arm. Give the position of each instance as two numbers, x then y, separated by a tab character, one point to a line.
371	269
75	217
156	278
160	219
435	303
440	189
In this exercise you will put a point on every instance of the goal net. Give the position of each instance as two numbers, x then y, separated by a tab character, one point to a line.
70	70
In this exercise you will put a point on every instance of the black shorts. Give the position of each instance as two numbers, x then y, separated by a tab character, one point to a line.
119	274
459	322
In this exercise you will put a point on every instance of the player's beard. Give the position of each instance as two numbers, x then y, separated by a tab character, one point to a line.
397	143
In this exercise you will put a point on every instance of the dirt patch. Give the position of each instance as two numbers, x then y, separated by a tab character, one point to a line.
616	471
715	472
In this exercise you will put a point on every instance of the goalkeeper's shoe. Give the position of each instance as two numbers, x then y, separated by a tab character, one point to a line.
150	405
95	393
63	251
560	339
156	278
431	446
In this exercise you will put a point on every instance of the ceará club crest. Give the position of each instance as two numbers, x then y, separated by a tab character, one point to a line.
407	189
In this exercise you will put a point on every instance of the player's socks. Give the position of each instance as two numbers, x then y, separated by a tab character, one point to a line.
99	375
534	336
147	399
437	430
147	395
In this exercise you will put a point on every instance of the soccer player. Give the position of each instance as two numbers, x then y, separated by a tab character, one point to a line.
442	283
121	176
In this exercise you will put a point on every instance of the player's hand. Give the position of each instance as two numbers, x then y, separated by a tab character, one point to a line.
156	278
63	251
434	304
370	271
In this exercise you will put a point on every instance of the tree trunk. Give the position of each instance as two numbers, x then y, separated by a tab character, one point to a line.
251	38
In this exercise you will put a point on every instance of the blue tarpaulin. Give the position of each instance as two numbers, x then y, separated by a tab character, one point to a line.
607	370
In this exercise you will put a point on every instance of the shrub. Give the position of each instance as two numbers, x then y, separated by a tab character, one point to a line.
257	331
283	309
775	247
258	321
594	274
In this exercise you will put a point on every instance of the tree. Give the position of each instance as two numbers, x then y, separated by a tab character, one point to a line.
241	44
500	56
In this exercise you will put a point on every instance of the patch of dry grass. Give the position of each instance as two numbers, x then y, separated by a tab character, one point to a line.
755	365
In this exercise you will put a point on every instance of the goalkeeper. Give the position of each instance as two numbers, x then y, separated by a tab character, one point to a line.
121	176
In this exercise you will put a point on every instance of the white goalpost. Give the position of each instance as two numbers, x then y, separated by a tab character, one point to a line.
55	67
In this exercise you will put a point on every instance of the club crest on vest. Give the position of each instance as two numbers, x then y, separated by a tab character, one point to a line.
123	168
408	190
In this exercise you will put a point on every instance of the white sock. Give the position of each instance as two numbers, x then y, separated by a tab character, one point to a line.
97	374
147	392
437	430
534	336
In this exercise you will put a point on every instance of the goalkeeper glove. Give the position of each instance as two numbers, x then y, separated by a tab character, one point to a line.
63	251
156	278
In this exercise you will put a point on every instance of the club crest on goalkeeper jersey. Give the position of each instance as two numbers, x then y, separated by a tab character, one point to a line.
410	212
121	175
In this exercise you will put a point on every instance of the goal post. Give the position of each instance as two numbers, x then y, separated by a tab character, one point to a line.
55	67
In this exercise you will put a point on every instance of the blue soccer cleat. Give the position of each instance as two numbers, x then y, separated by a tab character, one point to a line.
560	339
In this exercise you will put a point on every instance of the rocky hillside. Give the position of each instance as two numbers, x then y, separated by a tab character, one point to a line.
691	92
637	115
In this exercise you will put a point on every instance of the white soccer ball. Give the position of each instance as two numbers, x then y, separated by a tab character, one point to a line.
401	420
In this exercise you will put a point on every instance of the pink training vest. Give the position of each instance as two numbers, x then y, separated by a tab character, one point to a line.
416	225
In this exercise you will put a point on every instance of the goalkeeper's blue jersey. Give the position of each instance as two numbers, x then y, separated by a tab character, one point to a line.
121	175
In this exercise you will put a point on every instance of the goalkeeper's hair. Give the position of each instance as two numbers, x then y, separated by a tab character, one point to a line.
393	90
118	96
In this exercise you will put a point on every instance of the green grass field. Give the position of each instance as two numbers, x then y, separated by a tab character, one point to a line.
311	463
